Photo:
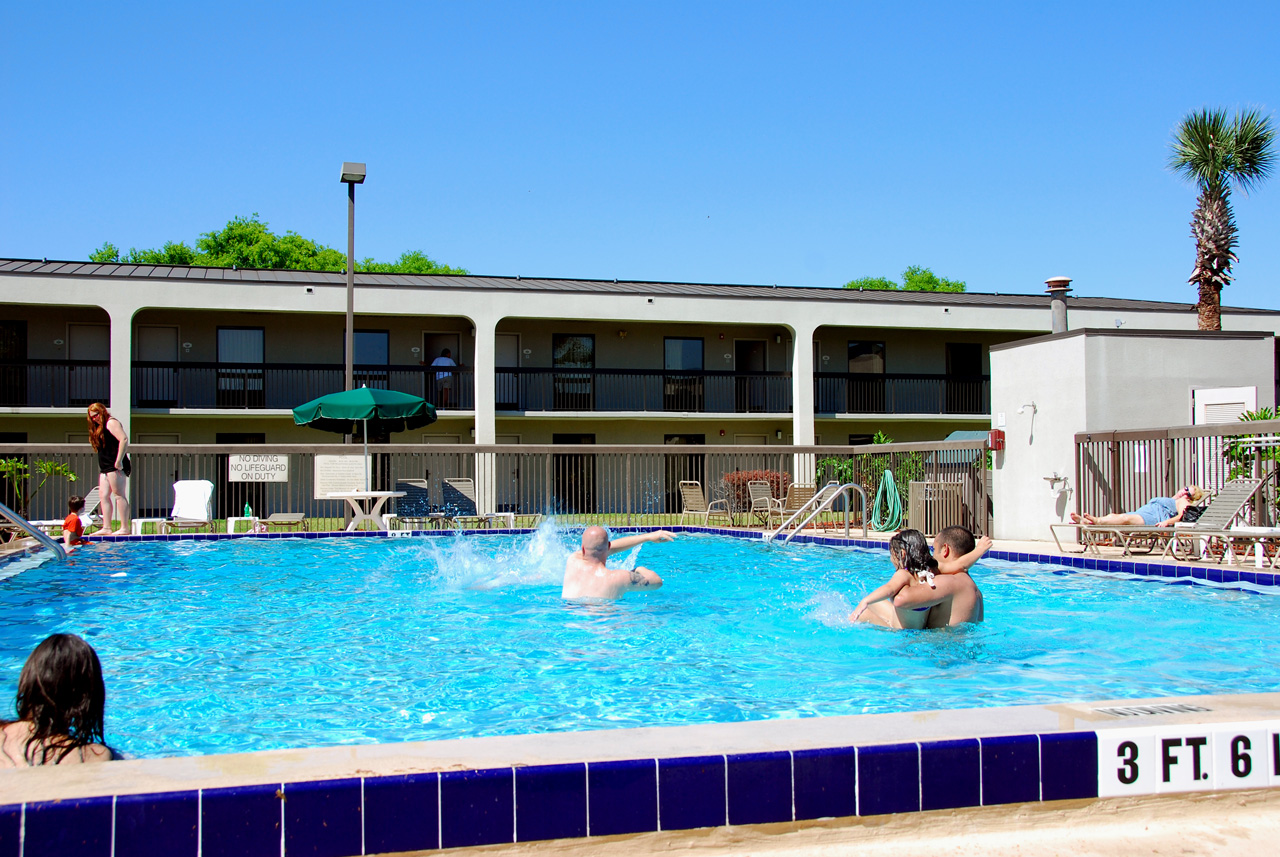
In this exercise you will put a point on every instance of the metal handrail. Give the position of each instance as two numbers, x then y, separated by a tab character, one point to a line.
819	503
34	531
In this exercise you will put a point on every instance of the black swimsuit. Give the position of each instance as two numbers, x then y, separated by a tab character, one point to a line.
108	451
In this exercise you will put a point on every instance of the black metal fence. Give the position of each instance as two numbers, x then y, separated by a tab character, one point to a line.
286	385
577	484
54	383
853	393
714	392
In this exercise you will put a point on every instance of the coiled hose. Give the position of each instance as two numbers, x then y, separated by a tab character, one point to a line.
892	506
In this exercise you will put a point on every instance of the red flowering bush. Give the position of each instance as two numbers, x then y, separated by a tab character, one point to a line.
739	496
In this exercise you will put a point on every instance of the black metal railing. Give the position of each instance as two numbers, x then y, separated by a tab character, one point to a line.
705	391
54	383
286	385
853	393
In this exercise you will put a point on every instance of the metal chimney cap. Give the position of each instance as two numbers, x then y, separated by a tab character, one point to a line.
1058	284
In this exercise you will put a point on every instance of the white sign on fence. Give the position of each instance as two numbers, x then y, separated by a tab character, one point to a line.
337	473
258	468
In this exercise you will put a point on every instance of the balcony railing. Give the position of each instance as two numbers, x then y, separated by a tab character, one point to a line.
286	385
280	386
851	393
54	383
707	392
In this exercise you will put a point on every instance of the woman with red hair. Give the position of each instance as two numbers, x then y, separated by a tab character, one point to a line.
108	437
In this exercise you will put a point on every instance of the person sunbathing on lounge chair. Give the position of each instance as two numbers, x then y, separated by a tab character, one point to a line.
587	576
927	591
1159	512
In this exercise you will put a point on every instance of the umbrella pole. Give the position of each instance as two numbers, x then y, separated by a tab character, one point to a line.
366	455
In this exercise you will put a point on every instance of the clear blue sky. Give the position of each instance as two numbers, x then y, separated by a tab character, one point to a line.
793	143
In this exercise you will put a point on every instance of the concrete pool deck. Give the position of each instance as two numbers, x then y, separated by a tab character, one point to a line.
1029	766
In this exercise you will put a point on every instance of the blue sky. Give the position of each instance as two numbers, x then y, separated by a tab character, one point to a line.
797	143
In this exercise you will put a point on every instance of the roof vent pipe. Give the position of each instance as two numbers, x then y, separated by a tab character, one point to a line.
1057	289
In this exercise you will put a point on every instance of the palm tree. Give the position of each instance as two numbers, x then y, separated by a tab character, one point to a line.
1217	152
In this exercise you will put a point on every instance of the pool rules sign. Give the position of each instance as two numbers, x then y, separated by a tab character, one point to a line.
258	468
1196	757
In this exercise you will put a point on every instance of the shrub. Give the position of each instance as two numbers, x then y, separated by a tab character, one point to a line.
739	495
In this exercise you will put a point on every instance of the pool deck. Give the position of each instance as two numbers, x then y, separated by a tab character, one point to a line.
1220	817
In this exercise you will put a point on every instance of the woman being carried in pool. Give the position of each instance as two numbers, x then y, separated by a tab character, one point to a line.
915	575
60	701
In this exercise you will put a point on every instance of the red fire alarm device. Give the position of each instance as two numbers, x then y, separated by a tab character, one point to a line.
995	439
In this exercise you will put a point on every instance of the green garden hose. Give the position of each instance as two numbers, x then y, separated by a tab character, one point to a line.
892	506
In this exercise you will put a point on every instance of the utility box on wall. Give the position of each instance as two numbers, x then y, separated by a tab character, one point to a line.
934	506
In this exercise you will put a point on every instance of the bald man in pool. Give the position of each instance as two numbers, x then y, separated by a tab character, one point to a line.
586	575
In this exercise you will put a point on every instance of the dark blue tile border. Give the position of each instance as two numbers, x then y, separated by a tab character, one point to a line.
241	822
551	802
10	830
888	779
691	792
1010	769
165	823
624	796
826	782
950	774
1068	766
68	828
477	807
759	788
323	818
401	813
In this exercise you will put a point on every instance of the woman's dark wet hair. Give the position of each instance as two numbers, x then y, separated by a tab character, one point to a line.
912	549
62	695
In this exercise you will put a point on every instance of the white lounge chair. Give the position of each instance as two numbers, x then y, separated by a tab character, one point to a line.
192	506
460	504
694	502
764	506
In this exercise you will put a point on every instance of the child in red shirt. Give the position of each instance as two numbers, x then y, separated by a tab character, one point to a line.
73	527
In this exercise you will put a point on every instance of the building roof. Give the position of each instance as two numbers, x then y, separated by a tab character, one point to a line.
38	267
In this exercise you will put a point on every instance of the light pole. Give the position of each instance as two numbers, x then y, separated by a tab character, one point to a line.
352	175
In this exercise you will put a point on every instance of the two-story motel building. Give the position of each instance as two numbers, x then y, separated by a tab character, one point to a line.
211	355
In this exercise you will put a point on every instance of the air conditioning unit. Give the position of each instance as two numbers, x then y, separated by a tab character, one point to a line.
933	506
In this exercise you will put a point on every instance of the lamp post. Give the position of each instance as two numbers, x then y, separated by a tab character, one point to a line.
352	175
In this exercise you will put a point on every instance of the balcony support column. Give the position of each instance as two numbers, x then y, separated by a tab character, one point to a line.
486	425
802	428
121	372
803	465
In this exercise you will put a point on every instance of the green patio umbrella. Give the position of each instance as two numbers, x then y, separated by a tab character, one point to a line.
385	410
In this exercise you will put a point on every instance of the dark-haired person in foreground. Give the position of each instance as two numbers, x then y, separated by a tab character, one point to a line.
60	702
587	576
956	598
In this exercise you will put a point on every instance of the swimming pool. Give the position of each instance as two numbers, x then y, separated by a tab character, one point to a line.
216	647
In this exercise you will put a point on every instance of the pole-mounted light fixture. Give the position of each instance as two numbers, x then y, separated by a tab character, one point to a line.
352	175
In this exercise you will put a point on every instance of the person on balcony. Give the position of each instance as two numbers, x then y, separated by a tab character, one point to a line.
108	438
444	378
1158	512
587	576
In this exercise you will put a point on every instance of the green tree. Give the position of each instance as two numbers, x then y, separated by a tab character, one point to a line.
914	279
1217	152
248	242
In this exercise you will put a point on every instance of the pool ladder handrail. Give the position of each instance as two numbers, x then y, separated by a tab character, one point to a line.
34	531
819	503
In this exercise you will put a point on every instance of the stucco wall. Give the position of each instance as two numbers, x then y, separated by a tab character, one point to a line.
1098	380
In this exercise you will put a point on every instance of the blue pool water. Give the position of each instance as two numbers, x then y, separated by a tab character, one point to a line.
214	647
